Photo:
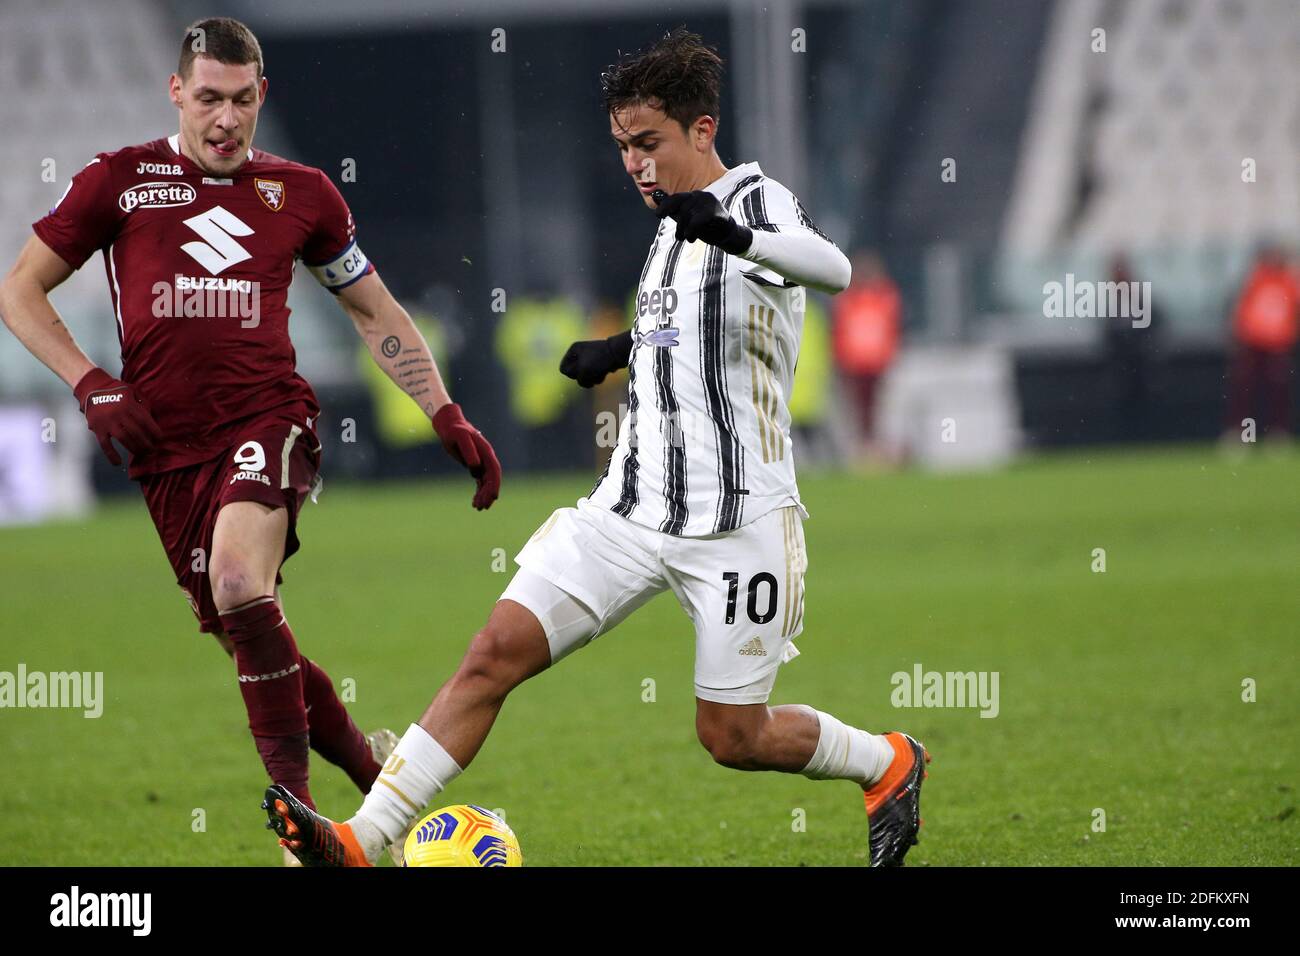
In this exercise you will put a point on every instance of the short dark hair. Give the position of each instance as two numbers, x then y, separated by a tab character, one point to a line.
222	39
678	74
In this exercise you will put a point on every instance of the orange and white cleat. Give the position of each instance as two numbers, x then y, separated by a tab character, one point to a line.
894	802
312	838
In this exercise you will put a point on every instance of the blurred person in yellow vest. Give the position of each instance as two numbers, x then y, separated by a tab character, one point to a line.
609	398
810	394
867	317
530	340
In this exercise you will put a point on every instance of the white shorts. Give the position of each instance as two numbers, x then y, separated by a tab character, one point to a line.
743	590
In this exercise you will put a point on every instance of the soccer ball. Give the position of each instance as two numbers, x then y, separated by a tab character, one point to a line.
463	835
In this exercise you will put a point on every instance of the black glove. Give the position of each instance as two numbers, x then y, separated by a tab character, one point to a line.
699	215
587	363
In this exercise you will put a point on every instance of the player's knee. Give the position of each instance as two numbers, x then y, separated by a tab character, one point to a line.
493	662
233	585
731	744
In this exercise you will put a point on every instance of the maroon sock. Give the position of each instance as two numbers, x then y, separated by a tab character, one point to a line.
270	679
333	734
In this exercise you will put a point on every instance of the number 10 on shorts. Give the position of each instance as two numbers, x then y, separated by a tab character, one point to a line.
751	605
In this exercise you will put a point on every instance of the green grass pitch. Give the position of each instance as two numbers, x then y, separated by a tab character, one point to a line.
1119	691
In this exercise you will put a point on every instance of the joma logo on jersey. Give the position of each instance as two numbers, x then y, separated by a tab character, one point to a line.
249	476
659	302
159	169
156	196
105	399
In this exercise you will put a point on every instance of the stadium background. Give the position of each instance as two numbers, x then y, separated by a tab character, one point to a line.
479	173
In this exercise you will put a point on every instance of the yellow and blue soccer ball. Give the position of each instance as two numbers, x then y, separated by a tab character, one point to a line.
463	835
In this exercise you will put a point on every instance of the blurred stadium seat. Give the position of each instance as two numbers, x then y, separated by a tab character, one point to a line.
1140	148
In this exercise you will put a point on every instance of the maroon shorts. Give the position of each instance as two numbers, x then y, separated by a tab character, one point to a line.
276	463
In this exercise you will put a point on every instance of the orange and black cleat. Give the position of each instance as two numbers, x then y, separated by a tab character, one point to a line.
894	802
313	839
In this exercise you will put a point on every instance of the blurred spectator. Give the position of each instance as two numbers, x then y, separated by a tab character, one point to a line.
1128	356
532	336
866	326
609	398
810	393
1264	331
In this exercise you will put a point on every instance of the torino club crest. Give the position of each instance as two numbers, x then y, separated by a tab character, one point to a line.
272	193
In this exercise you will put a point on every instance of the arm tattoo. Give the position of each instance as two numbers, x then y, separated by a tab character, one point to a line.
413	372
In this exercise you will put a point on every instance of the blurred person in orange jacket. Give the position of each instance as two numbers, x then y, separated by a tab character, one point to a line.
1264	328
865	336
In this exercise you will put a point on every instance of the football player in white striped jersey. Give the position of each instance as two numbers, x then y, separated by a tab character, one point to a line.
699	497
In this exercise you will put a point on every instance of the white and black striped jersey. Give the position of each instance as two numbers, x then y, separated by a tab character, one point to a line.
705	445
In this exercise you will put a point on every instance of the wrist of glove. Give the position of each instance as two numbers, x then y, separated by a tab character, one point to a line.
699	215
466	444
587	363
113	410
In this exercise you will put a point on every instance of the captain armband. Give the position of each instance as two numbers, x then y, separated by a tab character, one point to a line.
339	273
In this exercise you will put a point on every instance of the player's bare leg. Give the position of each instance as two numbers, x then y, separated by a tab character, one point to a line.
758	737
795	738
247	549
510	648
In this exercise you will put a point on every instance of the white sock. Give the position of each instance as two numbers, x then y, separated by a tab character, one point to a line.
369	836
417	770
846	753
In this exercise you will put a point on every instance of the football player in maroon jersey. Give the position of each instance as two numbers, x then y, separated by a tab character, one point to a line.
199	233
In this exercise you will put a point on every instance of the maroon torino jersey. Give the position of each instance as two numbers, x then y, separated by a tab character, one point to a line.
199	270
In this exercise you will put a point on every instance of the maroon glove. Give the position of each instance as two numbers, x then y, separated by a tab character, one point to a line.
113	411
467	445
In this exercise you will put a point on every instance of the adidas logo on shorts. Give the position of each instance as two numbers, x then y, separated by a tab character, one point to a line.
753	649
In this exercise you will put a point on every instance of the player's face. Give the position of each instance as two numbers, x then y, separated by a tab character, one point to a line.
218	104
657	153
